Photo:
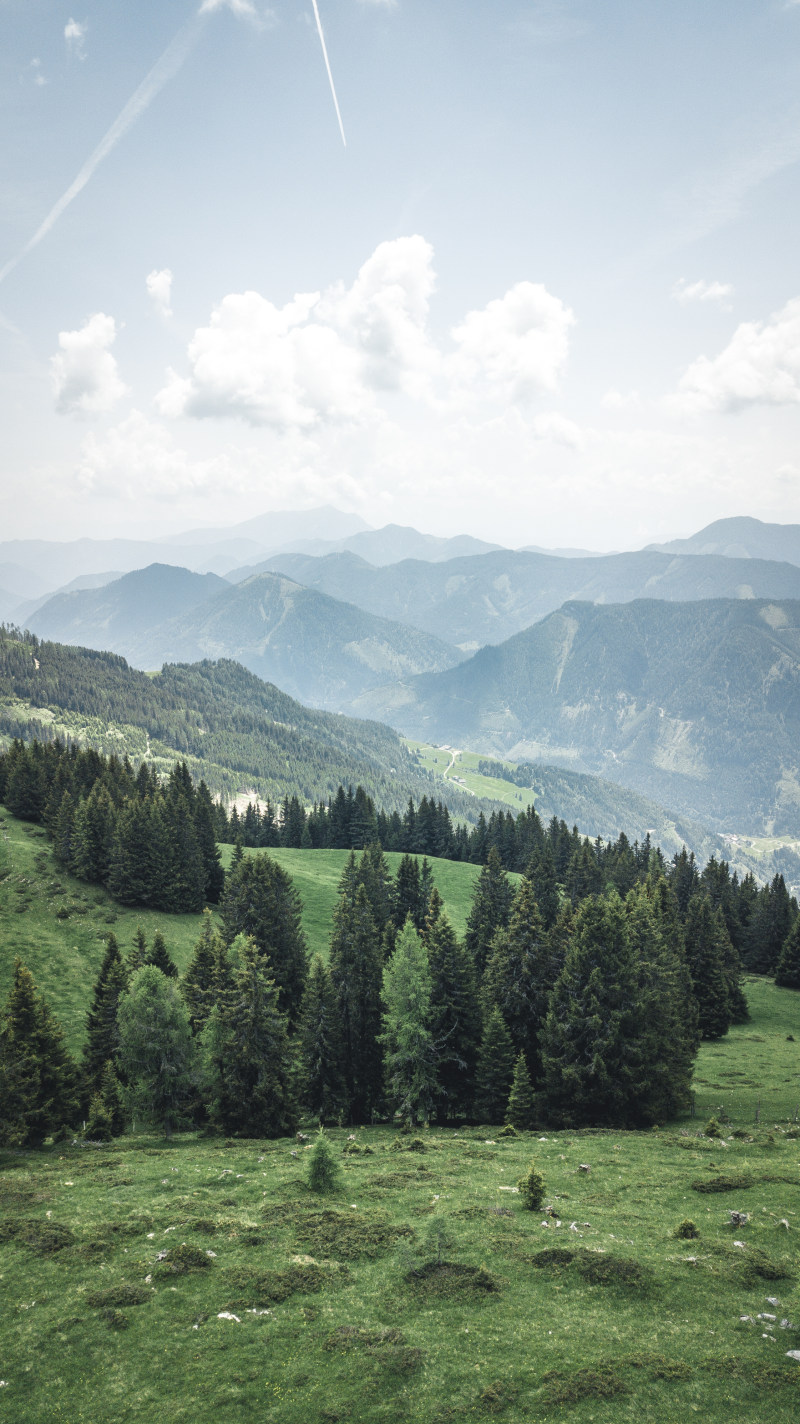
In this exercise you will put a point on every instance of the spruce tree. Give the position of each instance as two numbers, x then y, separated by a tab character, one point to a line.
667	1035
356	974
455	1021
198	983
324	1172
206	835
320	1047
490	910
706	946
155	1048
541	871
250	1069
406	896
591	1049
408	1045
138	952
159	956
517	974
261	901
787	974
102	1034
111	1094
495	1070
521	1110
39	1083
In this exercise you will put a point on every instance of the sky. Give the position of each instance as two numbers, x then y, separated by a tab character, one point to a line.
540	285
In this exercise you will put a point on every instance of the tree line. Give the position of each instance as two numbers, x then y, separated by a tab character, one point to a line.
590	1015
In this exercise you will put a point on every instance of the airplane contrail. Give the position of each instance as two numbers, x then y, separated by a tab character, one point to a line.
163	69
328	67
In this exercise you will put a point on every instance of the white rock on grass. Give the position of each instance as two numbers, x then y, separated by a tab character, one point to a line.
793	1355
226	1315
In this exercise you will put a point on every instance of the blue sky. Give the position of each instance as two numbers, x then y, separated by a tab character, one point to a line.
548	292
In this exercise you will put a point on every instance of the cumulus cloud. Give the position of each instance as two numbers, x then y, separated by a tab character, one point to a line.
159	290
613	399
516	346
551	425
139	457
336	357
759	366
75	35
686	292
84	372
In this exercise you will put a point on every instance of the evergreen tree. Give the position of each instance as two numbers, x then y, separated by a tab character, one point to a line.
138	951
707	946
666	1026
261	901
206	834
111	1094
250	1064
93	835
39	1085
591	1044
517	974
98	1126
409	1051
455	1021
102	1035
320	1046
541	872
199	981
770	922
495	1070
787	974
406	899
155	1048
159	955
521	1111
490	910
324	1173
356	975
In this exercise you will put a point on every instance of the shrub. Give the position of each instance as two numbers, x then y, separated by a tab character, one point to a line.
323	1170
182	1259
508	1131
712	1128
686	1230
531	1188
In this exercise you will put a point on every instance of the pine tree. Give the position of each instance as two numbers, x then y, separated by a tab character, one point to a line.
517	974
706	946
591	1043
39	1083
521	1110
261	901
320	1046
495	1070
356	974
159	956
490	910
251	1070
455	1021
102	1034
198	983
409	1051
787	974
155	1048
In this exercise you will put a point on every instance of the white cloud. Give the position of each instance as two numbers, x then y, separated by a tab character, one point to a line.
84	373
516	346
551	425
685	292
621	400
335	357
244	8
39	79
139	457
159	290
75	35
759	366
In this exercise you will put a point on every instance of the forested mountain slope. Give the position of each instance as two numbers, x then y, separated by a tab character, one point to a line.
489	597
115	616
694	704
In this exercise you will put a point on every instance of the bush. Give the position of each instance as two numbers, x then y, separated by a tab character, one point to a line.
323	1170
183	1259
738	1183
712	1128
686	1230
531	1188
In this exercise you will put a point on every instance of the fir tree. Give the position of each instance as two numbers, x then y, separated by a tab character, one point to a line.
356	974
138	952
155	1048
324	1173
455	1017
98	1126
409	1051
787	974
206	835
111	1094
320	1046
198	983
261	901
520	1110
250	1068
39	1085
666	1025
490	910
706	946
159	956
406	897
102	1034
517	974
495	1070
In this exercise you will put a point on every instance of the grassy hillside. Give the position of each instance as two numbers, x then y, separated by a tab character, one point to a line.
58	925
416	1294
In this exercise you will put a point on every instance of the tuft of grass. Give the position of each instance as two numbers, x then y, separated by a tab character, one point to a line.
734	1182
43	1237
121	1295
452	1279
349	1238
598	1382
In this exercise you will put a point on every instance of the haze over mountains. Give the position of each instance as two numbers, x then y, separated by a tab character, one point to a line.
672	671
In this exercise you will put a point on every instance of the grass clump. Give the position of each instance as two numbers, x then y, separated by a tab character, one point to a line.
412	1144
592	1382
115	1319
183	1259
734	1182
43	1237
606	1270
451	1279
349	1237
388	1346
259	1288
497	1396
686	1230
